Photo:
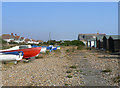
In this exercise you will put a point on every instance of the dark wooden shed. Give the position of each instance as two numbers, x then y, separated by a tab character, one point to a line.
99	41
114	43
106	42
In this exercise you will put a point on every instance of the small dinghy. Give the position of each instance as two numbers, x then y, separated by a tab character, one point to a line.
11	56
58	47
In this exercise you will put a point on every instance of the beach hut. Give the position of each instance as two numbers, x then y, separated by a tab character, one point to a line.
91	42
99	41
114	43
106	42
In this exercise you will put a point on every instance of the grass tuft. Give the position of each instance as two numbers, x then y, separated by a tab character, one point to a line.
69	71
67	50
107	70
116	79
38	57
69	76
74	67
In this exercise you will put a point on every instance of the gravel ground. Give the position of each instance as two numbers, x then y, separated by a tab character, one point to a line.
92	63
54	70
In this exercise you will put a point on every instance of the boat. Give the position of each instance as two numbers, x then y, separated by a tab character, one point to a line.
43	48
54	48
58	47
17	47
11	56
28	52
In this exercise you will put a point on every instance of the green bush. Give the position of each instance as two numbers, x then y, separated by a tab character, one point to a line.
74	42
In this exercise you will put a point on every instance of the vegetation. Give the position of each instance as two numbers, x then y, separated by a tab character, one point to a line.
57	51
69	76
79	70
38	57
69	71
74	67
107	70
116	79
73	49
74	42
2	41
66	84
67	50
47	52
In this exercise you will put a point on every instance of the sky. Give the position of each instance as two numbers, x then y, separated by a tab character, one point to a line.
65	20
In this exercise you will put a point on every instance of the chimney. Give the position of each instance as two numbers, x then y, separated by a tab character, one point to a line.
11	33
97	33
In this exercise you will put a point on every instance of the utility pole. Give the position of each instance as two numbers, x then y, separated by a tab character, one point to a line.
49	37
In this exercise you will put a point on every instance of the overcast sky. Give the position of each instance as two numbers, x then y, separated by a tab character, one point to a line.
65	20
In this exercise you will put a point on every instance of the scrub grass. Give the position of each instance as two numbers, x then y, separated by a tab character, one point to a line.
69	76
38	57
107	70
74	67
69	71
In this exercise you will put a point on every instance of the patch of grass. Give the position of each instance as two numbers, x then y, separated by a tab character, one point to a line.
67	50
66	84
79	48
85	56
74	67
69	71
69	76
57	51
116	79
73	49
79	70
107	70
88	48
75	76
47	52
38	57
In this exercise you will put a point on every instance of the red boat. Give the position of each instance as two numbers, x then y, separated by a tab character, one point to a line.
28	52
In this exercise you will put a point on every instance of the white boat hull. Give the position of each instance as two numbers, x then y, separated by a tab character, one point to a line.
10	57
17	47
43	50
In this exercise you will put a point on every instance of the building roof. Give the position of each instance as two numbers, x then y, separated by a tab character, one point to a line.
107	36
100	37
22	38
17	37
27	39
89	36
6	36
115	36
39	41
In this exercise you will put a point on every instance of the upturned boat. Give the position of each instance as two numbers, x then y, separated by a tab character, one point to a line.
11	56
43	48
28	52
